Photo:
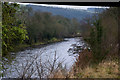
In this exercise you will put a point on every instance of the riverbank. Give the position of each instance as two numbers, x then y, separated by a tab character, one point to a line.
23	47
105	69
12	55
83	68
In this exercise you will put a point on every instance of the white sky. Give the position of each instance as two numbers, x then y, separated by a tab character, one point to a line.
65	6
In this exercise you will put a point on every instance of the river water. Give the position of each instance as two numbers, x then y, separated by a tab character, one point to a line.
46	56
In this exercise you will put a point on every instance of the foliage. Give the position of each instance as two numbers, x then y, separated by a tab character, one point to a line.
109	21
103	35
44	26
96	40
13	32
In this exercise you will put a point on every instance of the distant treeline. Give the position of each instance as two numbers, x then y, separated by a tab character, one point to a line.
43	25
22	25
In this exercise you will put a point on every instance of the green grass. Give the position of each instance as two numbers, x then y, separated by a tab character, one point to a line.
20	47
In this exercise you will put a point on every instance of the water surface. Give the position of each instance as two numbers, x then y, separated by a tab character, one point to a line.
46	54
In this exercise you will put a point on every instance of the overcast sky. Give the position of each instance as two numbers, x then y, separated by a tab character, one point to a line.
65	6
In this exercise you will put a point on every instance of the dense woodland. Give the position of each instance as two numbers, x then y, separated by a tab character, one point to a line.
22	25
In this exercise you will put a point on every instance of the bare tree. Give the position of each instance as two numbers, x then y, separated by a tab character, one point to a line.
35	66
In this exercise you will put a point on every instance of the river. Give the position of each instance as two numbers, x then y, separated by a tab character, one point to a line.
45	55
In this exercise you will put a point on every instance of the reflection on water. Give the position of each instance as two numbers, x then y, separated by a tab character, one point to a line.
63	52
